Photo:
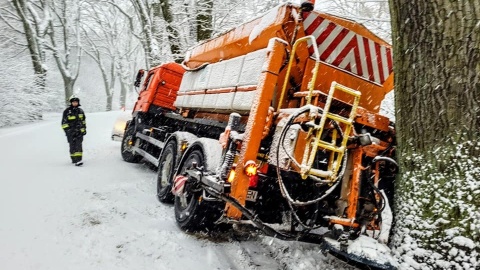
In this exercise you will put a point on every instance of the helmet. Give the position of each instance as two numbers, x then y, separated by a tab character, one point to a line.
74	98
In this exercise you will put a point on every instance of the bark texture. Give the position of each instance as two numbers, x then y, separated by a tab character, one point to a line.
204	20
437	99
33	43
173	34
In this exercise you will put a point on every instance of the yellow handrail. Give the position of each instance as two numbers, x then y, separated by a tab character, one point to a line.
311	84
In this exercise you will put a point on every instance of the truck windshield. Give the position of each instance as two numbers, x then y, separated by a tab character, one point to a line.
148	80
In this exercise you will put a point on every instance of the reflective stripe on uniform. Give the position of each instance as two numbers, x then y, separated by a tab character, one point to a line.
72	117
76	154
64	126
82	130
80	116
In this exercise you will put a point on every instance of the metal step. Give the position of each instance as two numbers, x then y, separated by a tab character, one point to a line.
330	147
145	155
320	173
339	118
151	140
336	150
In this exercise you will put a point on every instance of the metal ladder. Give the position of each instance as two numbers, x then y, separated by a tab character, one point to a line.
316	131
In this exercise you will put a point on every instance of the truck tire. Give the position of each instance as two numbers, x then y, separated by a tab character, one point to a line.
196	214
166	168
127	151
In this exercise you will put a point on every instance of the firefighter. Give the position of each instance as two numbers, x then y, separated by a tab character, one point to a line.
75	127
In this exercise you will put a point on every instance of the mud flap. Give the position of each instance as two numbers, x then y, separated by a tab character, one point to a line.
362	251
179	185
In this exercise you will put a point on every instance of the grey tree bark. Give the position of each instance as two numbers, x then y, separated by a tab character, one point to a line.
105	36
164	8
149	43
33	35
437	99
204	19
33	30
64	33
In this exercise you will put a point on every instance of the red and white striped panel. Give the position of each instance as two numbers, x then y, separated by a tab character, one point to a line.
349	51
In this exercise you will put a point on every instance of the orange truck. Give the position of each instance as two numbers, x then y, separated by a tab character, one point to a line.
276	122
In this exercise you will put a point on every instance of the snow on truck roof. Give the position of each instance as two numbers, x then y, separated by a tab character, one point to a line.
342	43
349	53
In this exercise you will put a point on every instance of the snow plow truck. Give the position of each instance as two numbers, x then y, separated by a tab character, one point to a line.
276	124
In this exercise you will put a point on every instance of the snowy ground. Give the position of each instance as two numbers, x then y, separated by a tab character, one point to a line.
104	215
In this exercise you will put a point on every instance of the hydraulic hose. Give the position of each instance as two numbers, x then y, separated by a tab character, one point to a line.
258	223
375	160
283	189
291	202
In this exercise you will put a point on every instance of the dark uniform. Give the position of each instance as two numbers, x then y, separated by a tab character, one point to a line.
74	125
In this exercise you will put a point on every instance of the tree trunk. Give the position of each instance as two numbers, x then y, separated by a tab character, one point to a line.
36	54
149	43
65	42
173	34
204	19
123	94
108	106
437	88
68	84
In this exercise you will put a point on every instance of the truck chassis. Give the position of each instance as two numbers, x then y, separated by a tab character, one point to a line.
267	136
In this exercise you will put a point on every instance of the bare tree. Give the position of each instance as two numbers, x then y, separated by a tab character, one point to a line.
127	64
17	98
143	10
437	82
102	36
112	45
64	34
142	16
163	8
33	28
204	19
230	13
25	28
374	14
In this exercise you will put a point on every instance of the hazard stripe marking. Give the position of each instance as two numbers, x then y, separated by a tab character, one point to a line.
349	51
179	182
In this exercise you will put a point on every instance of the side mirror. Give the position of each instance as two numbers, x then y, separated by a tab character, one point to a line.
139	77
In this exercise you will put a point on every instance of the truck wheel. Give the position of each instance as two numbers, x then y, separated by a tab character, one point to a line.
166	168
127	150
192	212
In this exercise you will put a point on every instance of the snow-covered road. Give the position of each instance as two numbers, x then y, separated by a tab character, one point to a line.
104	215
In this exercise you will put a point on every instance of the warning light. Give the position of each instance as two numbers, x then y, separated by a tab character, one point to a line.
231	176
184	145
250	168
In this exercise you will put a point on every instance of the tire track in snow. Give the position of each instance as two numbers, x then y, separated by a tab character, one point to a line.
246	253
